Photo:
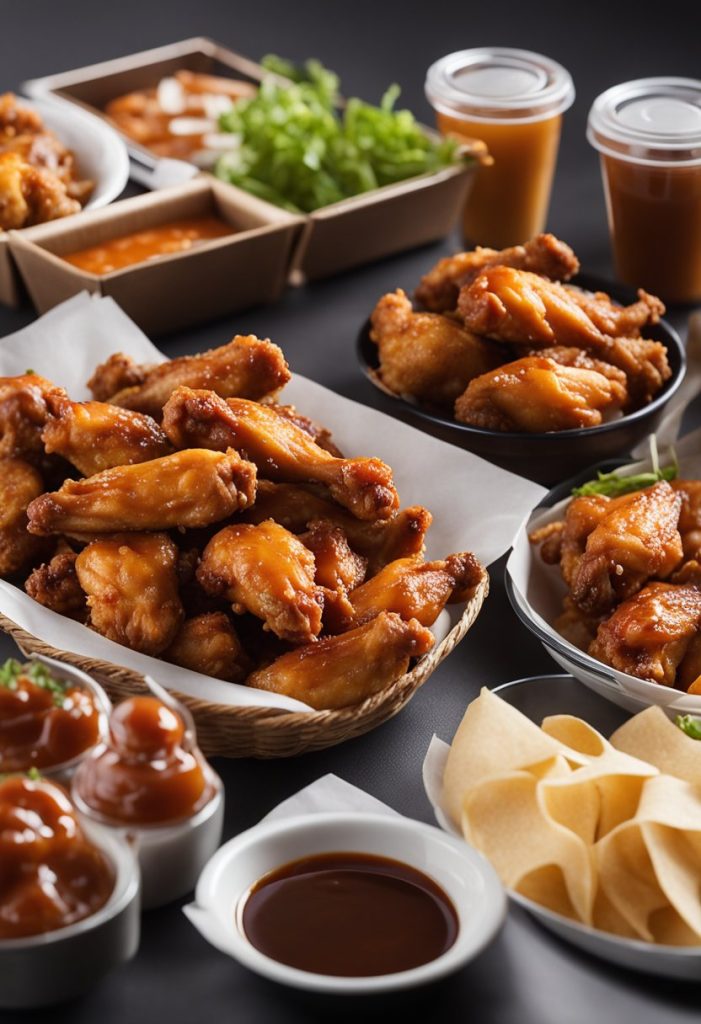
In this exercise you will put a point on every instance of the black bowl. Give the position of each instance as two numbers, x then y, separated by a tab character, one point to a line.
547	457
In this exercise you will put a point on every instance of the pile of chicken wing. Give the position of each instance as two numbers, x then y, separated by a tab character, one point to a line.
633	568
187	515
39	179
503	342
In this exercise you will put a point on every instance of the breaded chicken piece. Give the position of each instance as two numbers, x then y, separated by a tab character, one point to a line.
426	356
55	584
320	434
209	644
119	372
339	671
267	571
544	254
536	395
20	483
23	414
30	195
131	581
187	489
279	449
689	516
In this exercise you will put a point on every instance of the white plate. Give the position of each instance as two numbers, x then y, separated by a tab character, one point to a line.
537	697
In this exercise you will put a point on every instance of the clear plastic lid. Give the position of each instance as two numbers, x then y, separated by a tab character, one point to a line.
499	83
649	121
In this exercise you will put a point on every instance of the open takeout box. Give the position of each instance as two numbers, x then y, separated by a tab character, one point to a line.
475	506
375	224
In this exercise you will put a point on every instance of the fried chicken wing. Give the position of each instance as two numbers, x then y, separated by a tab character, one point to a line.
544	254
425	355
380	542
247	367
116	374
280	450
690	516
636	540
536	394
23	414
338	671
20	483
209	644
338	569
414	589
267	571
575	626
649	634
187	489
689	671
55	585
614	320
316	431
96	436
30	195
131	581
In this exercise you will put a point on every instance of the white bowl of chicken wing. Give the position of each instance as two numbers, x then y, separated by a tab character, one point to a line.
608	577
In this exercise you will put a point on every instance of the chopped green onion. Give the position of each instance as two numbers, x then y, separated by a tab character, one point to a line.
12	670
690	725
612	485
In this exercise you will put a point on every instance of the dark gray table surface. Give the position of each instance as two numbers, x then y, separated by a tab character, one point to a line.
526	976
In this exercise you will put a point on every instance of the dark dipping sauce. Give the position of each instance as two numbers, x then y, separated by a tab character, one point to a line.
350	915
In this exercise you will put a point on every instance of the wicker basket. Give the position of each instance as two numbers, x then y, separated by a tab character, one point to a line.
226	731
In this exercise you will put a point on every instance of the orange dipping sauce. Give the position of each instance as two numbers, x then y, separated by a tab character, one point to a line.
144	775
164	240
44	728
51	875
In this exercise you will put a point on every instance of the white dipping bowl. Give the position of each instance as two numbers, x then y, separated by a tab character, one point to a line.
100	153
464	875
40	970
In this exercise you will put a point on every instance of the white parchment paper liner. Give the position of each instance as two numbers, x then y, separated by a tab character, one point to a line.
476	506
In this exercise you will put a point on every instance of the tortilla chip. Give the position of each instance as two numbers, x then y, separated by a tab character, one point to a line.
576	733
653	736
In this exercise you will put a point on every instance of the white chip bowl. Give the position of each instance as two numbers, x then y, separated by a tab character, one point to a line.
537	697
100	153
464	875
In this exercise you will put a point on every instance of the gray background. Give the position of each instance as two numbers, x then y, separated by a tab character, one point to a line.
526	976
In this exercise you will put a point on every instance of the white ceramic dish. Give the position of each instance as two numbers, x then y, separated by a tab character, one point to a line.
536	697
100	152
465	876
44	969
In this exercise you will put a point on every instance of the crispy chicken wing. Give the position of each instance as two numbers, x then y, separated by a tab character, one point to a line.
55	585
544	254
380	542
690	516
119	372
414	589
23	414
425	355
575	626
338	568
247	367
131	581
342	670
615	320
649	634
536	394
187	489
30	195
636	540
688	676
279	448
20	483
267	571
316	431
96	436
209	644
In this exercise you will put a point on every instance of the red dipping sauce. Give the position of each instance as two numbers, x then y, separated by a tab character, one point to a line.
145	774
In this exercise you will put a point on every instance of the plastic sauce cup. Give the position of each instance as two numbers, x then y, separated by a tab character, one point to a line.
648	133
513	100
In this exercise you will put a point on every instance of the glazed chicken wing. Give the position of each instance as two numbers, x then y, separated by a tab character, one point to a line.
30	195
536	394
209	644
414	589
544	254
380	542
20	483
575	626
635	541
649	634
119	372
342	670
55	585
614	320
247	367
96	436
337	567
279	448
425	355
187	489
23	414
267	571
316	431
131	581
689	671
690	516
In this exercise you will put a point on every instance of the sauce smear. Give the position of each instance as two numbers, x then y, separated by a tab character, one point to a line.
164	240
349	915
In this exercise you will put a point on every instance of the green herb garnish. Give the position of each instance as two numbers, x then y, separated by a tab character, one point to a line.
295	148
12	670
613	484
690	725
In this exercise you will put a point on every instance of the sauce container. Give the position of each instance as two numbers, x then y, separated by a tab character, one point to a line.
648	133
513	100
118	786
